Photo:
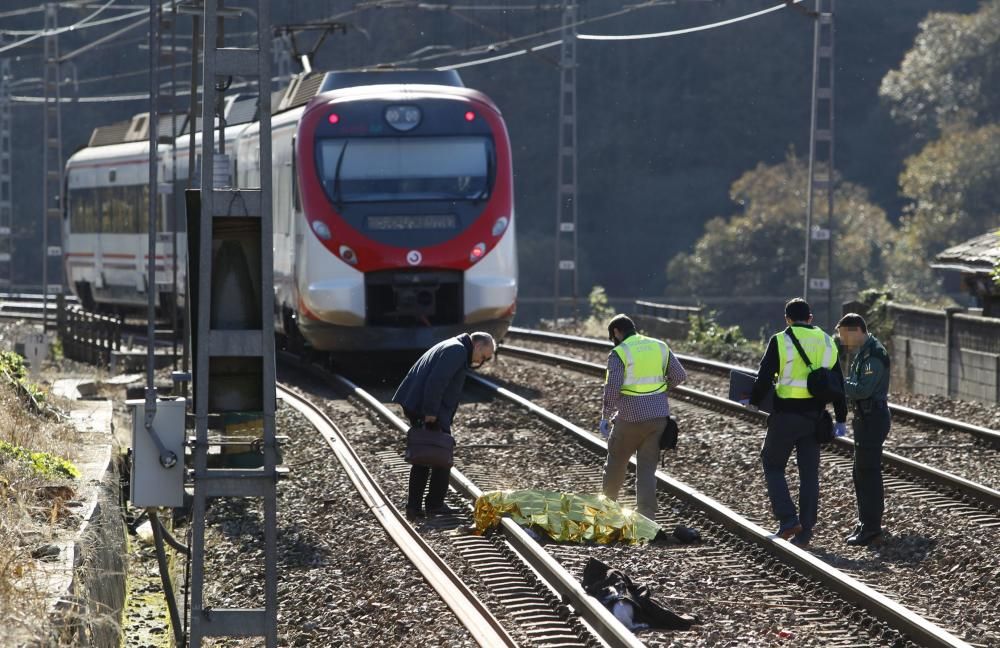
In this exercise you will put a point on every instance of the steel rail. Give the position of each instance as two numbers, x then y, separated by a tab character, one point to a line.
485	628
984	494
878	605
986	434
551	572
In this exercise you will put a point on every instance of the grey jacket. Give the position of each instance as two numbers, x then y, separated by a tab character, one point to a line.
433	386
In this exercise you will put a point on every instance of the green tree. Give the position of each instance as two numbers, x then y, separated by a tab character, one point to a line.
951	185
759	251
950	77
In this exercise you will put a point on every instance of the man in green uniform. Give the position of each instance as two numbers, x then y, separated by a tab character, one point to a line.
867	388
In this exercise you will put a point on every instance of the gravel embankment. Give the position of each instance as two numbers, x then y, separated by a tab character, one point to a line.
940	564
743	603
342	582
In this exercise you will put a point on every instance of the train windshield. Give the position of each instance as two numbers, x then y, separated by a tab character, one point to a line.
392	169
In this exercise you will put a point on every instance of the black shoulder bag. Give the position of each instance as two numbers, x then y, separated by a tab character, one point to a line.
668	438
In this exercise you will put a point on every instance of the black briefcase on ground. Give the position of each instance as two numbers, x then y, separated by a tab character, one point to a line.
668	438
432	448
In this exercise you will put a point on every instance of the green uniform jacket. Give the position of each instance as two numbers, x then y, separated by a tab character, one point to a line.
869	373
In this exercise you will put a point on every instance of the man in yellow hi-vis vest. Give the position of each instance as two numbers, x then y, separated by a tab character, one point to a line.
640	370
792	424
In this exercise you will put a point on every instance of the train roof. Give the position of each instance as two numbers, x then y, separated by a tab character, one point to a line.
304	87
242	108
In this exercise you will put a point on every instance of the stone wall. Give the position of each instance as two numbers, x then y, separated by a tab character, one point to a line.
663	320
947	352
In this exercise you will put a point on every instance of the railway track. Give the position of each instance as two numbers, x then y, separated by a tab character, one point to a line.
732	535
723	368
968	451
548	605
27	306
466	606
937	564
964	490
778	583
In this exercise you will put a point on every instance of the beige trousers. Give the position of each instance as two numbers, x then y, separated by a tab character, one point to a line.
643	440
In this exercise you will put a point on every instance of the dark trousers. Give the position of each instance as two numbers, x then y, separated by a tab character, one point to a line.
419	476
870	432
787	431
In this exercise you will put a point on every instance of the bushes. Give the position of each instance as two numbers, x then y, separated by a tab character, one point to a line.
710	339
41	463
12	369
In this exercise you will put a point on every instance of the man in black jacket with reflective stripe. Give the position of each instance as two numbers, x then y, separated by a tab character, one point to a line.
792	426
429	394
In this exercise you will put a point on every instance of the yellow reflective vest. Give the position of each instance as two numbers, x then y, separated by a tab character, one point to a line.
646	360
792	370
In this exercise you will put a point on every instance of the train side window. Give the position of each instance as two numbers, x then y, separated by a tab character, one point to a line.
106	206
123	211
142	220
91	213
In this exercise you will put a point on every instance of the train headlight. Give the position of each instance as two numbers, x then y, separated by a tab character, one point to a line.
322	230
403	118
500	226
348	255
477	252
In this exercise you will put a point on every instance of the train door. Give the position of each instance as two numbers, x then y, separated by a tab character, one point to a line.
164	244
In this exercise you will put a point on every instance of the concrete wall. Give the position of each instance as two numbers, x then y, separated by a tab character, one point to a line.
663	320
946	352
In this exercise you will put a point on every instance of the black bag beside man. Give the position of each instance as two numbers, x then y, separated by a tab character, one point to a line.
427	447
668	438
824	427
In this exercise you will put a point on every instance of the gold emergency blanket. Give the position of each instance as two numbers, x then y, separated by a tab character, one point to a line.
565	517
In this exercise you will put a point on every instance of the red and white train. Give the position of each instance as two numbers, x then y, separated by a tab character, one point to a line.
392	204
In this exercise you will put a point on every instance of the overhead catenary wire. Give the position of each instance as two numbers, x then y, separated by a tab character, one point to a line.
82	24
51	32
22	12
678	32
495	46
687	30
493	59
490	46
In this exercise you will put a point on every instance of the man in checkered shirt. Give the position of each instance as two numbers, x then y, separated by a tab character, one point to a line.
640	370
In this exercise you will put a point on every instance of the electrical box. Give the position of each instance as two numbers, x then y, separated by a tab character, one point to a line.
152	484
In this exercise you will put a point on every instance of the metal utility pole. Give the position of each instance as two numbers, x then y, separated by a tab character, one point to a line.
6	198
175	195
566	189
282	61
819	267
230	250
52	168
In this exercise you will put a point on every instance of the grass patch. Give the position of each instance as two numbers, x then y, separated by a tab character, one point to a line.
43	464
36	446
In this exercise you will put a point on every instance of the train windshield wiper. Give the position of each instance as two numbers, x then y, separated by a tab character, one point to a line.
336	175
485	192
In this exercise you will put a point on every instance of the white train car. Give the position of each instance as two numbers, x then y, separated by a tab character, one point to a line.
106	217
